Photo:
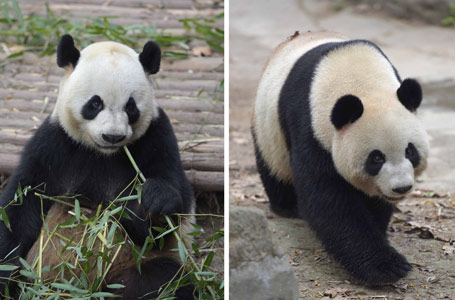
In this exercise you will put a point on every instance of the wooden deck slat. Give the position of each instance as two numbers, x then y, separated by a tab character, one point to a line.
167	4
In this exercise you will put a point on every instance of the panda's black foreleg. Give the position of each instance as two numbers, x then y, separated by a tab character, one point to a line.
161	198
166	190
381	212
348	229
282	197
25	223
155	274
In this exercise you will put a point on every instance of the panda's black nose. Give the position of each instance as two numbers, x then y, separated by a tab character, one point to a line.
112	138
402	190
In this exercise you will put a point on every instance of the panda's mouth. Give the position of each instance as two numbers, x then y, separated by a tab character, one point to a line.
390	198
107	147
393	199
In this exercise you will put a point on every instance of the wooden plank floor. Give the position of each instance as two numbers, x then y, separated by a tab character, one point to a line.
187	89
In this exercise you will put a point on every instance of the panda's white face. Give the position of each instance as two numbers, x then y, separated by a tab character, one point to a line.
382	154
107	101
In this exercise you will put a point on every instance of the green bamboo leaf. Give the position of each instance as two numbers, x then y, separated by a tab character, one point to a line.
18	12
208	260
77	210
8	267
215	46
25	264
68	287
110	235
115	286
5	219
102	294
182	251
167	232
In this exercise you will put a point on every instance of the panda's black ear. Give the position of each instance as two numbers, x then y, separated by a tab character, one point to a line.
67	54
150	57
410	94
347	110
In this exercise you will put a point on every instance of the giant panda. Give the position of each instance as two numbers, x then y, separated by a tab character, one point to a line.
338	143
105	101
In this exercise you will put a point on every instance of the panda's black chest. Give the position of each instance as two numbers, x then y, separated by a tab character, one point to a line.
96	178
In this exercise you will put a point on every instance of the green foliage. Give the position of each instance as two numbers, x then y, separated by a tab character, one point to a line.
205	30
41	33
450	20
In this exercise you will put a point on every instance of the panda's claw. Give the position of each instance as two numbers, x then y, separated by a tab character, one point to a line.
385	268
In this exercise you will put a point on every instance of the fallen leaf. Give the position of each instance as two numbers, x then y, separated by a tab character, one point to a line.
448	250
333	292
432	279
202	51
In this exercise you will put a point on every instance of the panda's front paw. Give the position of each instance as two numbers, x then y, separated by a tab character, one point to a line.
385	267
160	198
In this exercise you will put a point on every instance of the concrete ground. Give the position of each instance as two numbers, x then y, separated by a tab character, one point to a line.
424	229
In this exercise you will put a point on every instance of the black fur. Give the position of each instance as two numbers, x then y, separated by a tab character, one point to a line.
374	163
410	94
351	225
281	195
67	53
413	155
346	110
132	111
67	167
150	57
154	275
92	108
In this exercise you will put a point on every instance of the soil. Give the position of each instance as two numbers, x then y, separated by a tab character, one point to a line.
423	227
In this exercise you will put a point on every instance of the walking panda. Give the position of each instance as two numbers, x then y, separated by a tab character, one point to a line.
338	143
105	101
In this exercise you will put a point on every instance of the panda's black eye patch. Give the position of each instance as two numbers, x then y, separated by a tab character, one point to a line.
374	162
132	111
92	108
412	154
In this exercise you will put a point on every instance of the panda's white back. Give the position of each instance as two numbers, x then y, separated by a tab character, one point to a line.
268	133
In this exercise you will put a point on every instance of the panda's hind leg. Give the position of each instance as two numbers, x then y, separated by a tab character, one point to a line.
281	195
155	274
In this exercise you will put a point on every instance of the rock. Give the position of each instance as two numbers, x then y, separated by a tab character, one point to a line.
258	269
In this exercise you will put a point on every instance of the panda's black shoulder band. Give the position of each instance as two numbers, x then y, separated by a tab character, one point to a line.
150	57
346	110
410	94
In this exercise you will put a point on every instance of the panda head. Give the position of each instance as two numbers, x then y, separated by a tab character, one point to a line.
380	146
106	98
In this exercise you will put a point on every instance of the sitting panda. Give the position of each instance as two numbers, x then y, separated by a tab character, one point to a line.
338	143
105	101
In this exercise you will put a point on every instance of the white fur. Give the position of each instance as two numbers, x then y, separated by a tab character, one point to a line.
113	72
386	125
269	135
386	128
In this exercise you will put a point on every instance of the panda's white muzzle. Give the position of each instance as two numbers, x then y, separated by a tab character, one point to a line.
395	181
110	130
